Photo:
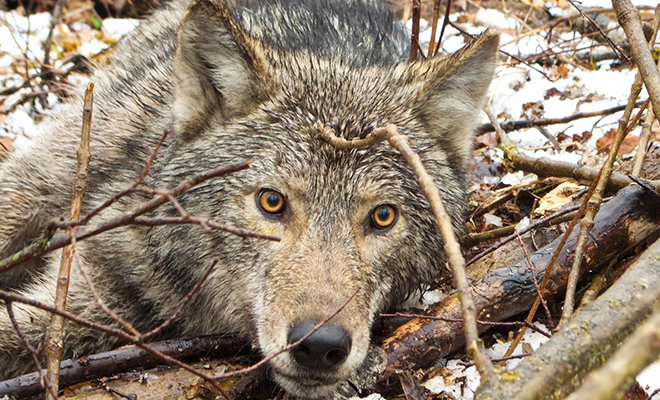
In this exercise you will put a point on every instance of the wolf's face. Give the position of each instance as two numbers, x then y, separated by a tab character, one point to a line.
353	223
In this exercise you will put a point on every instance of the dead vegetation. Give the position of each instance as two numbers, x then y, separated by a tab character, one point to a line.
597	285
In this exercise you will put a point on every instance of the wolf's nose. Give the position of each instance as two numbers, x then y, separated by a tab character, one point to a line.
324	349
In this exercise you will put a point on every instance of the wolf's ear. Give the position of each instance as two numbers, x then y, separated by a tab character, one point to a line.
453	94
221	72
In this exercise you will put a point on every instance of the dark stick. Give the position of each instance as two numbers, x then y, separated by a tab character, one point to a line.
127	358
509	126
44	246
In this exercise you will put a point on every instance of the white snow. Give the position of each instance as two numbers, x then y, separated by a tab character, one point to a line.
649	379
116	28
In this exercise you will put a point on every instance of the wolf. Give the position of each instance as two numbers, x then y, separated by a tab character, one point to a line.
252	79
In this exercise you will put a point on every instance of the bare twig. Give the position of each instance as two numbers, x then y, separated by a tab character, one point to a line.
182	305
55	338
54	20
645	136
434	28
414	37
603	34
33	352
131	189
550	219
631	23
595	201
509	126
532	268
459	320
45	246
451	246
445	22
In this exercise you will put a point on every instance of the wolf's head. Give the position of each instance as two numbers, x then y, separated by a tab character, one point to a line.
351	221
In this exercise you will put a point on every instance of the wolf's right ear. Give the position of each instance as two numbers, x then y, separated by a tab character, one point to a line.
221	72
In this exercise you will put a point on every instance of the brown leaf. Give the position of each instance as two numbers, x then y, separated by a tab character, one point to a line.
604	144
606	141
629	144
486	140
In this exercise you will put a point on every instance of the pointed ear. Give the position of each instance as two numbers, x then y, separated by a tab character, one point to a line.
221	72
454	93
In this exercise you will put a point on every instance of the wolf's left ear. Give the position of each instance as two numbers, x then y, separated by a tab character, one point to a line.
453	93
221	71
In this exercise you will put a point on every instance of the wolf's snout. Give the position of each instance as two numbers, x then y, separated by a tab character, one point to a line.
324	349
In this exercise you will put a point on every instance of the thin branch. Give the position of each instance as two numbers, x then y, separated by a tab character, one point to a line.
445	22
55	337
603	34
509	126
460	321
537	224
532	268
631	23
92	288
44	246
451	246
645	136
33	352
9	297
595	201
54	20
414	37
131	189
182	305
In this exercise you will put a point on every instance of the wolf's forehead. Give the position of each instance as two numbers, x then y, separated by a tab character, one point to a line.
342	96
318	172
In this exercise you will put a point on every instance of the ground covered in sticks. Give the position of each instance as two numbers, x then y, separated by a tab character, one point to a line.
563	79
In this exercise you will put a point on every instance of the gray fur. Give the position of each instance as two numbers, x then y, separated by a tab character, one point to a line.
251	79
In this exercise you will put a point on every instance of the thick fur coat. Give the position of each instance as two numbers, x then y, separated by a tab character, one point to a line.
231	81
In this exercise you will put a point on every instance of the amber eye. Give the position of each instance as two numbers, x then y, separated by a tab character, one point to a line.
271	202
383	216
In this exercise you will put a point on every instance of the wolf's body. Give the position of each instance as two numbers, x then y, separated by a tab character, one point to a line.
252	79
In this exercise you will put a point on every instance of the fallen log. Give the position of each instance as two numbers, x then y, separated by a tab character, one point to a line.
124	359
590	338
629	219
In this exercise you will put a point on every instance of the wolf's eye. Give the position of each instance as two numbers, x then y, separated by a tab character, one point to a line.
383	216
271	202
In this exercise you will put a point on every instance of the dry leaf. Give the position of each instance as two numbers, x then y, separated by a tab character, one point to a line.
486	140
562	71
629	143
557	197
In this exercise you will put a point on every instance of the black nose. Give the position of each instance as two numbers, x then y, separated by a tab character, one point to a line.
326	348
